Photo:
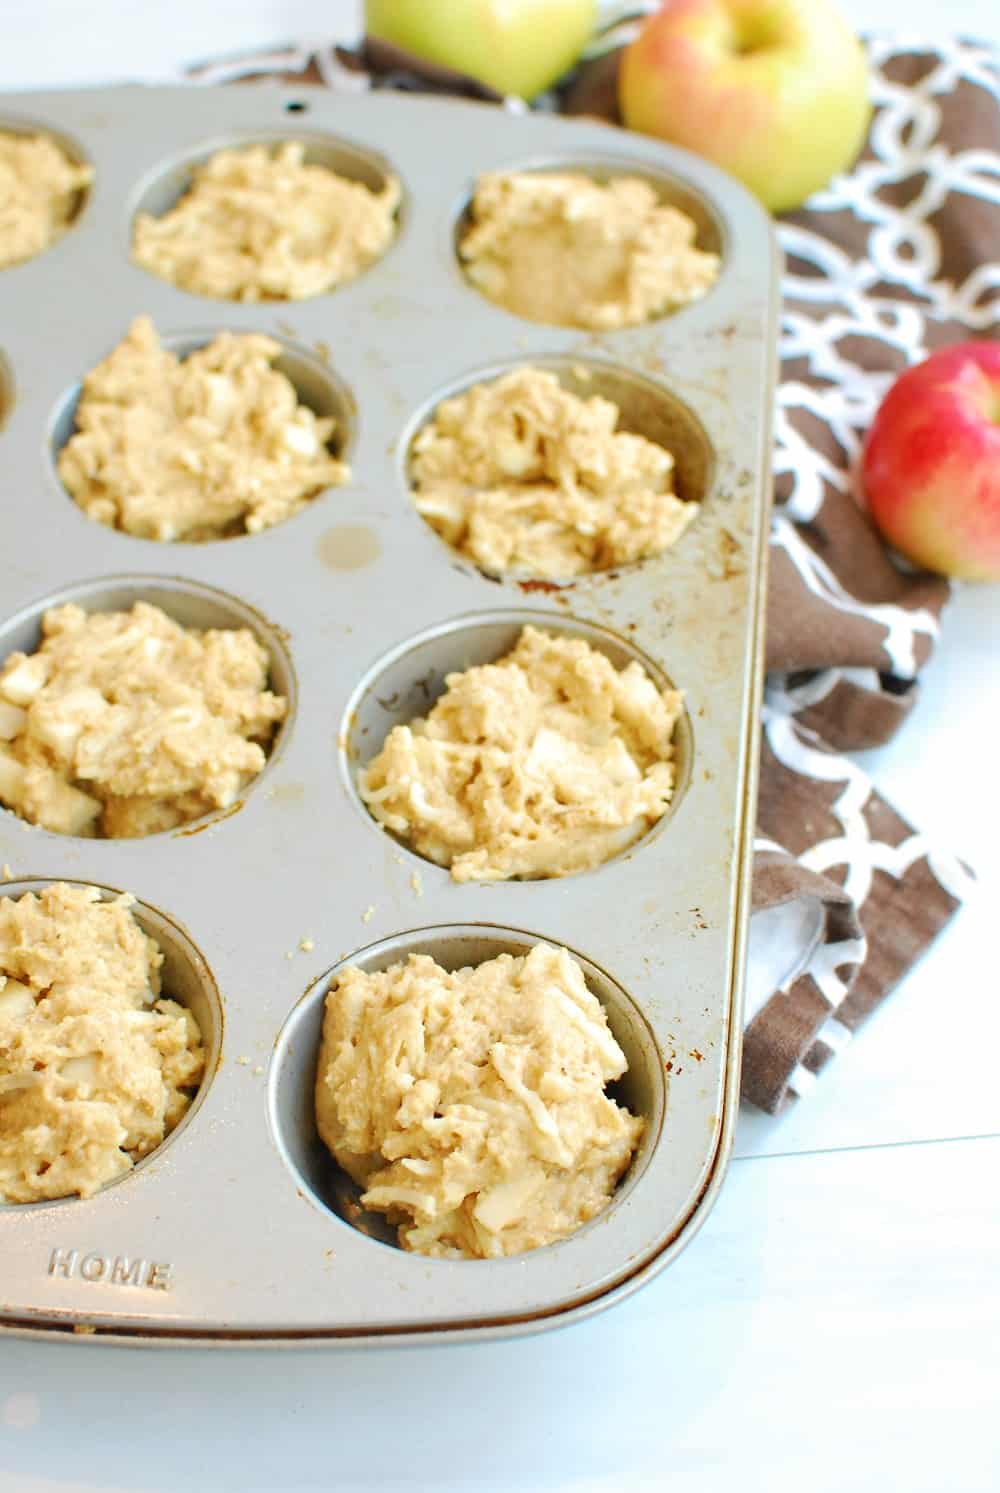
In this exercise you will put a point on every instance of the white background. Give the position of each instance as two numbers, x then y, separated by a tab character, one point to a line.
835	1326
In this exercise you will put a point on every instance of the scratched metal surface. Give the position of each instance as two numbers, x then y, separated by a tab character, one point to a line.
238	1228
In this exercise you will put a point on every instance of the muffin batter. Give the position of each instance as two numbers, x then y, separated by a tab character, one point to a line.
470	1106
39	195
521	474
207	448
259	224
546	762
96	1067
125	723
564	249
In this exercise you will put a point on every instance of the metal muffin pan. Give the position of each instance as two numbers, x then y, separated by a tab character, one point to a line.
239	1228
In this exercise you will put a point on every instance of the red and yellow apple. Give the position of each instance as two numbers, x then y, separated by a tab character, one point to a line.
514	46
773	91
931	464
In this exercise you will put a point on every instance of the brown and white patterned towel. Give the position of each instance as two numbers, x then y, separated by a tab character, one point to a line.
893	259
896	258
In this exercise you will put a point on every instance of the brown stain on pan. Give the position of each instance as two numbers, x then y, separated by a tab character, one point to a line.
286	793
348	547
529	587
6	389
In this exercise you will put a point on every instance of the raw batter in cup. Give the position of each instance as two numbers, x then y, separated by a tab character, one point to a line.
523	475
470	1106
96	1065
562	248
126	723
209	447
40	191
547	762
262	224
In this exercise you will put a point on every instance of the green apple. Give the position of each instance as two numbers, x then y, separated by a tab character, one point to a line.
514	46
773	91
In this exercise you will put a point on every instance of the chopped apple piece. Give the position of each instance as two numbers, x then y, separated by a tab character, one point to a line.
23	677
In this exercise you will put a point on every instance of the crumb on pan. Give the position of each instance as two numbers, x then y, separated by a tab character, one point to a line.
263	224
124	724
546	762
96	1065
521	474
470	1105
567	250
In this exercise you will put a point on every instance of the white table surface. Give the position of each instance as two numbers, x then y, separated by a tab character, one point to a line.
836	1324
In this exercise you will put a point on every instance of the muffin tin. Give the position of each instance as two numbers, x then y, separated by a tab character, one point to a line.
240	1227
